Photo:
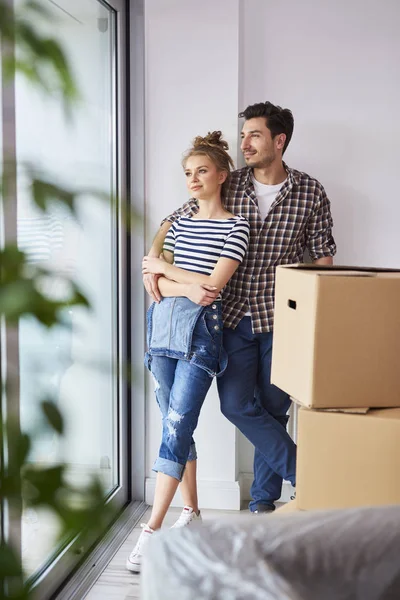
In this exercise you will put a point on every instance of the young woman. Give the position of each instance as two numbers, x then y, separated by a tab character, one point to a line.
201	253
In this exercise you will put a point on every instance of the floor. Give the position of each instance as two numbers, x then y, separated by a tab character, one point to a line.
116	583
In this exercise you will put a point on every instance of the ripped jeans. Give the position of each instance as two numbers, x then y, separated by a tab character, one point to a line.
181	385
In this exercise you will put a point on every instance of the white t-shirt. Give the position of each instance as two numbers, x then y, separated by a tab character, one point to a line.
266	195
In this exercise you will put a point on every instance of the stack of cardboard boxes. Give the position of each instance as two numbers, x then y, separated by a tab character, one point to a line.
337	353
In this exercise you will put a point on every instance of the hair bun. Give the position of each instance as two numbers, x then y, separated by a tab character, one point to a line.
213	138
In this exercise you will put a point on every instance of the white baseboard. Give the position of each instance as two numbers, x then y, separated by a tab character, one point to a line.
222	495
246	479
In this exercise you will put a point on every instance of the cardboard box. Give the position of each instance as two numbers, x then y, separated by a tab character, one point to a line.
287	508
337	336
346	460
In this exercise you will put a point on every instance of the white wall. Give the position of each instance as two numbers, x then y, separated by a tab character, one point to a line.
336	66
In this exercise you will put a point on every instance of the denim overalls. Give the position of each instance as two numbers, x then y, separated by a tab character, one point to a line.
185	353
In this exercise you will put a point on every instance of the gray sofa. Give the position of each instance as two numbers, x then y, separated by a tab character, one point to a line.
349	554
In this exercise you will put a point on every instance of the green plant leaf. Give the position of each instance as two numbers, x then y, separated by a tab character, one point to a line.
40	59
17	299
12	261
44	482
38	8
10	487
78	298
44	192
10	566
85	510
6	21
53	416
20	290
22	448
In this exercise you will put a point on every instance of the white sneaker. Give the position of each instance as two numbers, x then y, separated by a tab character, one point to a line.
187	517
134	561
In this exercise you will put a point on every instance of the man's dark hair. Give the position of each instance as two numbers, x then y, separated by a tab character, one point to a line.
277	119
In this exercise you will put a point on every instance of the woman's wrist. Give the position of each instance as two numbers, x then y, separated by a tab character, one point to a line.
152	253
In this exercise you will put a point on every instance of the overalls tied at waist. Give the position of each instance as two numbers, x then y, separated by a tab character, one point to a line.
177	328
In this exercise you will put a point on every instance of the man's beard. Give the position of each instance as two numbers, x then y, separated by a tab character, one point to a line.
264	163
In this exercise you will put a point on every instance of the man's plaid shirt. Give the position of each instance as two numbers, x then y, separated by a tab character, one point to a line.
299	218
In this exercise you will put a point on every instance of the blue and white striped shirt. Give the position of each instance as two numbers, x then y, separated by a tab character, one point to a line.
197	244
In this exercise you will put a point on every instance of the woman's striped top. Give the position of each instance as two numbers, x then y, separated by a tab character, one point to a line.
197	244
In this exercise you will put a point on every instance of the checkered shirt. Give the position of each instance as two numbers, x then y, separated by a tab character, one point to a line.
299	219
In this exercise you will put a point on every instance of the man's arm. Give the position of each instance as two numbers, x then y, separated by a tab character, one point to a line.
151	281
319	238
326	260
158	242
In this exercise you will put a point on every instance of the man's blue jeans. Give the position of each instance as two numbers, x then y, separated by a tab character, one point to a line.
258	409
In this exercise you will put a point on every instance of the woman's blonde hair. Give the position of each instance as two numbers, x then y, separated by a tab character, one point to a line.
216	149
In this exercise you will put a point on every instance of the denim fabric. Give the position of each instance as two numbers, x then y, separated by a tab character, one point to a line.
178	328
258	409
181	388
182	373
170	326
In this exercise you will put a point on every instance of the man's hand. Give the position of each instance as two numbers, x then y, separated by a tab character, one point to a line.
201	294
151	284
326	260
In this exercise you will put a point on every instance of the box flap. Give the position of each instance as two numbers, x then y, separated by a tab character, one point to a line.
385	413
378	413
352	411
339	269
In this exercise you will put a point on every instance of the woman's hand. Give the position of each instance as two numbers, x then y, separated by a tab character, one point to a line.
153	266
151	284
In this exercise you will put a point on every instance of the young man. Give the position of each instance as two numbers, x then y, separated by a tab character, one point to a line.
288	212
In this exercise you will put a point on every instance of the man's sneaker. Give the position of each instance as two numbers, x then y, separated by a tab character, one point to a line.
134	560
187	517
263	509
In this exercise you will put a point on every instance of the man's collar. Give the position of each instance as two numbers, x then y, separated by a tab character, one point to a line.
291	175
